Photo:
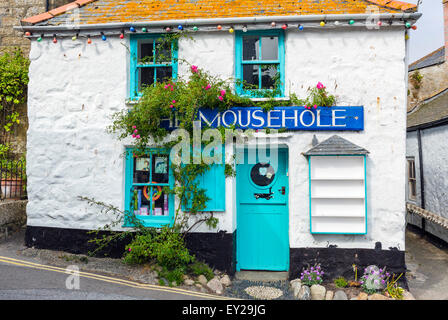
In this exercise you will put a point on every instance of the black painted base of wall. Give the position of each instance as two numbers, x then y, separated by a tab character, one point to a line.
215	249
338	262
218	251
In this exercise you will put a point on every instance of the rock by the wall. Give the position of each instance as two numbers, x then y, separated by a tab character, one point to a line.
12	215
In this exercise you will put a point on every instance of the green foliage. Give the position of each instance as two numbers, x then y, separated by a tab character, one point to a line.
312	275
13	78
373	279
417	79
13	89
340	282
318	96
393	289
197	268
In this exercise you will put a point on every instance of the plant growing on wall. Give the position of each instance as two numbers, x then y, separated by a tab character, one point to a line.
142	124
13	86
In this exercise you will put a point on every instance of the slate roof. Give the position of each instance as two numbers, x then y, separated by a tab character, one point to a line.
110	11
434	58
335	145
431	110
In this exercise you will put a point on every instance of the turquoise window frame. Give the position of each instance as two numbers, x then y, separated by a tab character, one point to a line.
134	93
147	221
365	192
214	182
239	62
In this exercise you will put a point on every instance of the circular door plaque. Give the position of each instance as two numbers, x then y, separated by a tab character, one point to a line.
262	174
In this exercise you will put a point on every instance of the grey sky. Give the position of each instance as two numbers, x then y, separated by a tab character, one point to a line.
429	34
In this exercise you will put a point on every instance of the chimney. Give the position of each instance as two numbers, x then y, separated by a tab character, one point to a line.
445	26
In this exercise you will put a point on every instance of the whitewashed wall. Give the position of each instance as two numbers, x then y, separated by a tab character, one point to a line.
75	88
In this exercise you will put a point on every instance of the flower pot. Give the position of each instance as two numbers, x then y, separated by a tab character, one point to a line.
11	188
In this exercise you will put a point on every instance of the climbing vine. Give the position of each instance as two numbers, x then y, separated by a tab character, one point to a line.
13	86
142	123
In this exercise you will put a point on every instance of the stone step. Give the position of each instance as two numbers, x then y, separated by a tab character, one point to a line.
265	276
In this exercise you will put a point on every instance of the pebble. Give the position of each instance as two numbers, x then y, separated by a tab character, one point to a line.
329	295
189	282
317	292
362	296
264	293
377	296
225	281
304	293
340	295
202	280
215	285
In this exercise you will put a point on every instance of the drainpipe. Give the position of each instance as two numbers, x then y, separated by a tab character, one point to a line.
47	5
422	182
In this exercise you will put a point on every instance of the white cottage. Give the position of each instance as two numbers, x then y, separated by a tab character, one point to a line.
337	196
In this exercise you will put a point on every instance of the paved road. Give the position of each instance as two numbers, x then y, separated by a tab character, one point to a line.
20	279
29	278
427	265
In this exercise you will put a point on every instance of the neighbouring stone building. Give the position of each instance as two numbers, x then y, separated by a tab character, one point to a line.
427	136
11	14
338	202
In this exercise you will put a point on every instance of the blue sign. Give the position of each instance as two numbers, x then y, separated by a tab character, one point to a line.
290	118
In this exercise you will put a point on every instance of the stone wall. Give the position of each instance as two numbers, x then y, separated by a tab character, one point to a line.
11	13
12	216
434	81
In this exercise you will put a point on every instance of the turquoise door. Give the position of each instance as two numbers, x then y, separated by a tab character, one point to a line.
262	215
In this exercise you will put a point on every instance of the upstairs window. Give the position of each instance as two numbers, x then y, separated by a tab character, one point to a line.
152	60
259	63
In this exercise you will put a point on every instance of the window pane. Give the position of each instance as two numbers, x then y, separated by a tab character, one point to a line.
269	75
160	202
145	77
251	47
160	168
141	200
163	52
141	170
250	76
164	74
146	51
269	48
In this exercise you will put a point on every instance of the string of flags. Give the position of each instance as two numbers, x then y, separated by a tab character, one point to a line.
231	29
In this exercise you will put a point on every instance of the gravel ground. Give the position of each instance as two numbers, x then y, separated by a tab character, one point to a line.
237	290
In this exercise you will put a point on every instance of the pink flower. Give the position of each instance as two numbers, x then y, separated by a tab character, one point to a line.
174	101
135	131
315	106
171	106
133	136
137	136
220	98
166	86
194	69
223	92
208	87
320	86
306	107
133	127
130	249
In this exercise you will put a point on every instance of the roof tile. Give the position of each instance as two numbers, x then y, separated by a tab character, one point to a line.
106	11
64	8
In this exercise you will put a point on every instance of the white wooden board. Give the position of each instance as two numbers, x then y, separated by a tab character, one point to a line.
337	194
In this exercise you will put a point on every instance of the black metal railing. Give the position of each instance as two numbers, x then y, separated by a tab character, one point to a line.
12	179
